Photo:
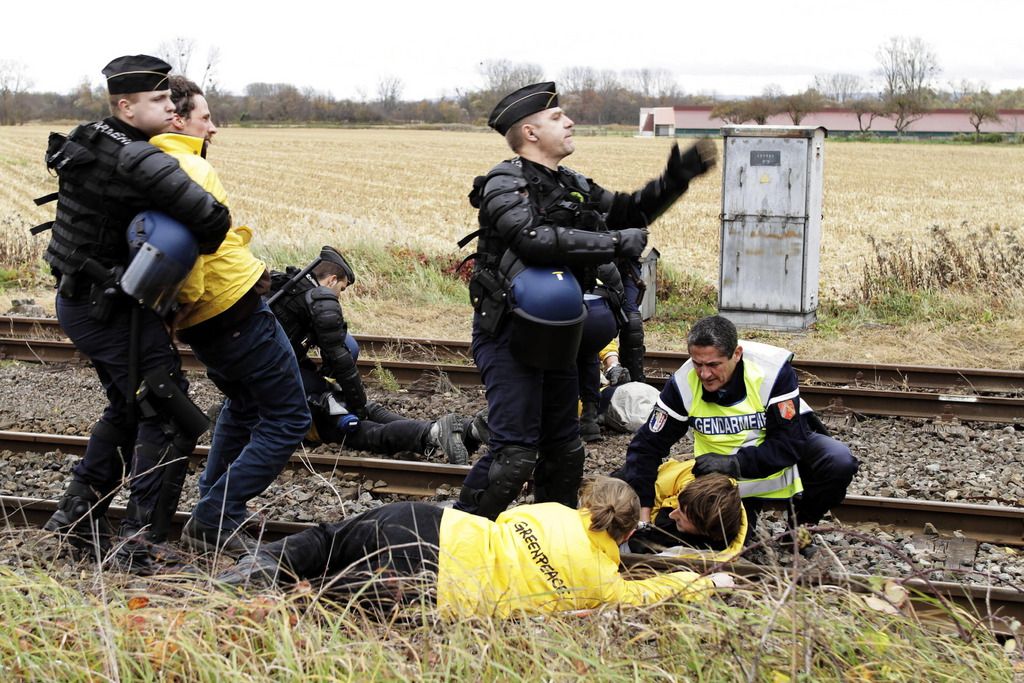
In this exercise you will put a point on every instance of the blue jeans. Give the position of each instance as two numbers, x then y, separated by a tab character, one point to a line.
262	421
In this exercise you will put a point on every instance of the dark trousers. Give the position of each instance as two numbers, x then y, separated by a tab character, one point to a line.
263	419
375	553
114	438
383	431
826	468
526	407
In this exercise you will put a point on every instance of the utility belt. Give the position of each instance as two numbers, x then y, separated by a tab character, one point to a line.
489	298
91	282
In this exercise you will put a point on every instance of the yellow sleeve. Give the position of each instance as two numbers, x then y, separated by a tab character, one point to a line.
688	586
194	285
612	348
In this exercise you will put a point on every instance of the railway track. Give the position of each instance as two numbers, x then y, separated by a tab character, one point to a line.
993	606
924	391
996	524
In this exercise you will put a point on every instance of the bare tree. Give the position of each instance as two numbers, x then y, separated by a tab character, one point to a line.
839	88
731	111
177	53
14	82
502	76
657	83
578	79
389	92
907	67
869	108
981	104
209	79
801	104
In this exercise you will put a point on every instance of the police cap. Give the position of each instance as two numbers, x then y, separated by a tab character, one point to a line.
136	73
331	255
521	103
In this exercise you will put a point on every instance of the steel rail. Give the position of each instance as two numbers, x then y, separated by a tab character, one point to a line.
997	524
866	375
432	374
993	606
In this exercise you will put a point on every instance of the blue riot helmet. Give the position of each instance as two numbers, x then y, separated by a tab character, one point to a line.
163	252
547	317
352	345
601	325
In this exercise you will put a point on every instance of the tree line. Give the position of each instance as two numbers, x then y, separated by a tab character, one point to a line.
906	88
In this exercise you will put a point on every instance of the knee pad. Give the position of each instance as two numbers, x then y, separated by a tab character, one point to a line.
560	473
512	467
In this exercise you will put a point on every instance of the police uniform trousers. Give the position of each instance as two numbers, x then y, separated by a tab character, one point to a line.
384	555
527	407
826	469
113	439
383	431
263	419
599	329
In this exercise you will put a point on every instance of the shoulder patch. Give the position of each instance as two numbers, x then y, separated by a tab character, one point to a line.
787	409
657	420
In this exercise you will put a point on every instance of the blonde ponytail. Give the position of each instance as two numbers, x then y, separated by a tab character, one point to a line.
612	504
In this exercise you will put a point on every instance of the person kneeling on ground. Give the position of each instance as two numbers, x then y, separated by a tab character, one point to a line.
565	559
306	302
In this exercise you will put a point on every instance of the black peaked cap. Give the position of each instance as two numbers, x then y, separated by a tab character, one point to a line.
332	255
521	103
136	73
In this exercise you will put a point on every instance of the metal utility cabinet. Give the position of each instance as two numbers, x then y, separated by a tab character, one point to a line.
771	225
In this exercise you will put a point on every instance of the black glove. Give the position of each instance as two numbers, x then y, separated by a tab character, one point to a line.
698	159
712	463
617	374
630	243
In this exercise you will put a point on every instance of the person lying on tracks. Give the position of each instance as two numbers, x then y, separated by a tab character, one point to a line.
306	302
693	517
233	333
534	558
749	423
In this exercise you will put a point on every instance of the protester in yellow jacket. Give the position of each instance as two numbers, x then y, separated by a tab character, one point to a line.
703	516
245	351
534	558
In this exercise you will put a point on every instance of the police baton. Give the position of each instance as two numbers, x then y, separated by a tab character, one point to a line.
287	287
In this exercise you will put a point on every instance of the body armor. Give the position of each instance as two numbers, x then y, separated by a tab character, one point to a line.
108	173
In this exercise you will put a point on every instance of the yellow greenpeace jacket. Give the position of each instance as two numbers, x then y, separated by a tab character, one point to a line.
217	281
673	477
540	558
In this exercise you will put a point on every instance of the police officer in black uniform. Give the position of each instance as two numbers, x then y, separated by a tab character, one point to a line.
108	173
306	304
534	212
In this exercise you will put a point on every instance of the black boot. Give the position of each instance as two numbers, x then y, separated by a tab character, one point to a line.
589	429
81	517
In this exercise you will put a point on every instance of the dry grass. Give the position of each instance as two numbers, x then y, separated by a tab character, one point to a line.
304	187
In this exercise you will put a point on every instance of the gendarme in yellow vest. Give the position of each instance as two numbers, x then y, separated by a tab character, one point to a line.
726	429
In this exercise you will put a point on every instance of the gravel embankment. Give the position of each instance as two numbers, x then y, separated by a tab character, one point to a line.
899	457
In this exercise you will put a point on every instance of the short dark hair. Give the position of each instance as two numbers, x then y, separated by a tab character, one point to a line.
713	505
715	331
183	92
326	268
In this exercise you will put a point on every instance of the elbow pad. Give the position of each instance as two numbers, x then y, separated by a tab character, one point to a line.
159	176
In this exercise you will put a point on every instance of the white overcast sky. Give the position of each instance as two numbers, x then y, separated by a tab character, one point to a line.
345	48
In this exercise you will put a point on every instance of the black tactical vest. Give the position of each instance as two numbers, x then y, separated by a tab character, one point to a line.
291	309
93	207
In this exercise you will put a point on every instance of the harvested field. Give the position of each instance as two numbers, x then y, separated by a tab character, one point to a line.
301	187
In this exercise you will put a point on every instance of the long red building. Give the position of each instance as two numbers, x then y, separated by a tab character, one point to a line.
683	121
